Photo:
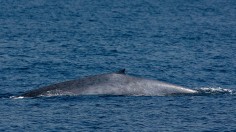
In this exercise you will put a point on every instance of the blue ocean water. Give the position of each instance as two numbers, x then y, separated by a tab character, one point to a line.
188	43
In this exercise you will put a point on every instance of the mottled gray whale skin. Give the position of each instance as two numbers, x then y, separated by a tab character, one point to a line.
117	83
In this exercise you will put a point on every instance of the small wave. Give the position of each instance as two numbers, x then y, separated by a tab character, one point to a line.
16	97
5	95
214	91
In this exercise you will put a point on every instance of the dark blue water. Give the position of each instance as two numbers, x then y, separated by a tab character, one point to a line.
189	43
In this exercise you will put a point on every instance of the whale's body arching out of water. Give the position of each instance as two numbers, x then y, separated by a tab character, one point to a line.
117	83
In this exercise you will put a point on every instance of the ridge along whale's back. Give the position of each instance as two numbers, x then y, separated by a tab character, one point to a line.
117	83
68	87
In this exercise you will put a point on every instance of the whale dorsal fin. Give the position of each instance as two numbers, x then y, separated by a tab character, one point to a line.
122	71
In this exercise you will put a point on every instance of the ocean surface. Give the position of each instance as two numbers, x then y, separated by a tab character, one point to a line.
191	43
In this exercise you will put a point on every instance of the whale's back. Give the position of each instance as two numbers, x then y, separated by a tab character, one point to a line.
109	84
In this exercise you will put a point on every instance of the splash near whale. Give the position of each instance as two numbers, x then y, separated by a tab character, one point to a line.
116	83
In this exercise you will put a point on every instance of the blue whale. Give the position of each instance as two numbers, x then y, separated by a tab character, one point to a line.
116	83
